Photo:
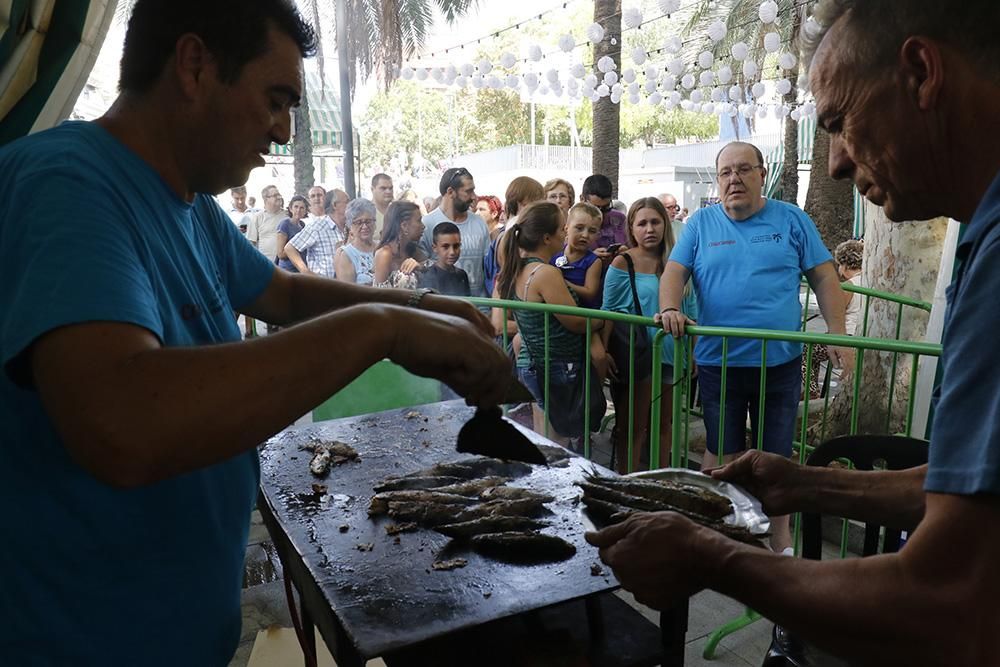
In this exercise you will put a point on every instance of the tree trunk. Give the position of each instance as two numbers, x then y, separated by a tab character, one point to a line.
790	171
900	258
829	203
302	147
607	115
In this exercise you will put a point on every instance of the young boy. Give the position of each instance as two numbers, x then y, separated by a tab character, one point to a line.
444	276
613	237
580	266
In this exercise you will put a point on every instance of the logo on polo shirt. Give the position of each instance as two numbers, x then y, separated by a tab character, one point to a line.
767	238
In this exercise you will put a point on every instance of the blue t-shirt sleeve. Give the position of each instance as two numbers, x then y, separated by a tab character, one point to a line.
247	272
683	251
965	436
807	240
617	292
71	264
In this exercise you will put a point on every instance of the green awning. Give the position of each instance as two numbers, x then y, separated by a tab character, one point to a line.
47	49
324	116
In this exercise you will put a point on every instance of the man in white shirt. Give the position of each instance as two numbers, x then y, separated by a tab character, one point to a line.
315	196
239	213
458	194
262	231
382	192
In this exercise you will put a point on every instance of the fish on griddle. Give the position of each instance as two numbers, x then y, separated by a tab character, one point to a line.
514	493
320	463
436	514
488	524
523	547
326	454
475	468
473	487
403	483
380	502
687	497
606	511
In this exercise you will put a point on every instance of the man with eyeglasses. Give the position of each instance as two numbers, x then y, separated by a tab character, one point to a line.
746	255
263	228
672	208
458	195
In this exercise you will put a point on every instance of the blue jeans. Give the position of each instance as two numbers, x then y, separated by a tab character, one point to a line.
560	372
781	403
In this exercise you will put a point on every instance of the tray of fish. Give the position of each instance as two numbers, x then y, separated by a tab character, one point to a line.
746	510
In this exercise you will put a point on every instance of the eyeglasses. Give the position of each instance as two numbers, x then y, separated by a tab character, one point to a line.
675	207
742	171
364	221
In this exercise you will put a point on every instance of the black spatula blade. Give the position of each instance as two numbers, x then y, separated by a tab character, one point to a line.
489	434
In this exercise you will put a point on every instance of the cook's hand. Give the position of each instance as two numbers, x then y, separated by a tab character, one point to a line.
451	349
770	478
408	266
655	556
459	308
673	322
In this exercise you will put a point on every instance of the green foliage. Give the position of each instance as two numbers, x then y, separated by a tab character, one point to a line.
644	125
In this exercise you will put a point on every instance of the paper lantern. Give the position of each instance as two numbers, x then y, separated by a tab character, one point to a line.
717	31
676	67
768	11
696	96
590	80
406	73
484	66
708	108
603	90
706	78
724	75
706	59
617	87
762	111
461	81
578	71
808	109
732	111
717	95
668	81
421	74
783	86
593	96
567	43
494	82
675	98
772	42
655	99
672	44
476	81
551	75
595	32
610	78
616	98
534	53
632	17
638	55
787	60
606	64
543	90
750	69
437	74
513	81
633	88
531	80
746	110
757	90
686	105
628	76
572	84
650	85
467	70
688	81
740	50
634	99
651	71
795	114
811	28
669	6
736	93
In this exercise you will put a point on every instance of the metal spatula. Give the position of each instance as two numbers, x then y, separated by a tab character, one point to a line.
489	434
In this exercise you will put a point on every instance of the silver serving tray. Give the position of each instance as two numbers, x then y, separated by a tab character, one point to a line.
747	513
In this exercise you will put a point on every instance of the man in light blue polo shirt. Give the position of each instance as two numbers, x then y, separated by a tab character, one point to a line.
747	255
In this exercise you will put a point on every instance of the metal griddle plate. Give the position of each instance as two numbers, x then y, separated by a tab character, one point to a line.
389	597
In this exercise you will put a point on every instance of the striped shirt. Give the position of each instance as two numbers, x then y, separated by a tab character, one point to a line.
318	244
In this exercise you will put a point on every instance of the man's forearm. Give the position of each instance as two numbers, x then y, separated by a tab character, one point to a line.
830	297
892	498
312	296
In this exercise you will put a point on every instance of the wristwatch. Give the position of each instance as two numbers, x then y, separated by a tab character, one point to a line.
417	296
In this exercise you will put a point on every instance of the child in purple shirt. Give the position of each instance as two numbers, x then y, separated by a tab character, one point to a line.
580	266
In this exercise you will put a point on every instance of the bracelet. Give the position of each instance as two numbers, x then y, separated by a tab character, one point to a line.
417	296
667	310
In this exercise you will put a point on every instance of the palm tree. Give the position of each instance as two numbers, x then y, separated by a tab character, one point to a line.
607	114
373	37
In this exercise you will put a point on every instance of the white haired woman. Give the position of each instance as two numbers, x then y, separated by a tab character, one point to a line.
355	261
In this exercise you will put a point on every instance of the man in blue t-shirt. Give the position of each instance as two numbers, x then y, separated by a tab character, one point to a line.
130	409
747	255
892	89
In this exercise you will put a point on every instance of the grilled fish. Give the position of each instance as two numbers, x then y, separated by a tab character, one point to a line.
380	502
523	547
473	487
320	463
401	483
686	497
514	493
488	524
437	514
475	468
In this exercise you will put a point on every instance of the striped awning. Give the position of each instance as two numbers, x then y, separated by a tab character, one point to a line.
47	49
324	116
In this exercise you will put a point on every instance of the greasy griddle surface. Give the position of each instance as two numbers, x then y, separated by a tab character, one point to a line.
389	597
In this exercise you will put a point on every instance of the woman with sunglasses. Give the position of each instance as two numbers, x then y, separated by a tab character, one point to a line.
355	261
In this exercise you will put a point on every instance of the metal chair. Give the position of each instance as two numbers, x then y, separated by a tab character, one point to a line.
863	452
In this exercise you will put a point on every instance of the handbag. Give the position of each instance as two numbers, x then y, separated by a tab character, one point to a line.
568	402
618	346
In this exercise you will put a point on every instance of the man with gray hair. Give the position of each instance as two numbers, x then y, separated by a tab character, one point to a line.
907	90
673	208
